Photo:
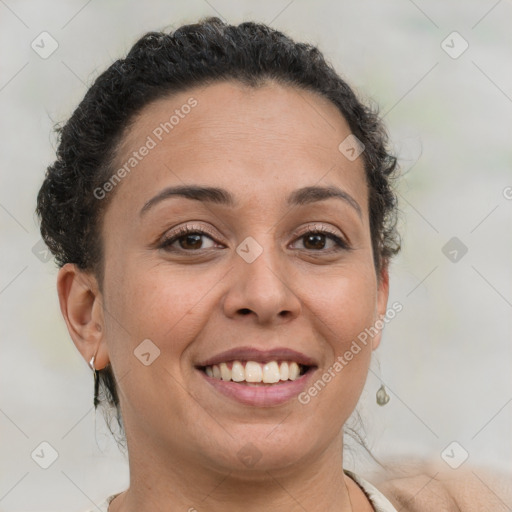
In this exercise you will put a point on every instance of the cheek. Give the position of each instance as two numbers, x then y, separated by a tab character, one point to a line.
153	315
163	304
341	311
345	302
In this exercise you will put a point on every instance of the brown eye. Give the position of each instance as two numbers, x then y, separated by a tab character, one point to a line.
316	240
189	239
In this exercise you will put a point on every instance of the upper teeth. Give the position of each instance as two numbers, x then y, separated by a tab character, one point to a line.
268	373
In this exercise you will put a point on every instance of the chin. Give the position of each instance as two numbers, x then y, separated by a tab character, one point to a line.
249	455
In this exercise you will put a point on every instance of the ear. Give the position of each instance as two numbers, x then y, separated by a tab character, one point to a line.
81	306
382	302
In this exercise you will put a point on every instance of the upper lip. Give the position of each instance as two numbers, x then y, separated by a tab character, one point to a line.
260	356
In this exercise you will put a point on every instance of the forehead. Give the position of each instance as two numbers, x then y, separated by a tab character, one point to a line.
269	139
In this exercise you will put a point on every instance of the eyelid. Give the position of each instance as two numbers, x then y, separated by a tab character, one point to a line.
186	229
316	226
322	228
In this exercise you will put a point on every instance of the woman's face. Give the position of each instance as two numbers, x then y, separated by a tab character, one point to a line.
254	280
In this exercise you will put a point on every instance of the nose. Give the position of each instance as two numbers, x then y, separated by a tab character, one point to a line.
262	290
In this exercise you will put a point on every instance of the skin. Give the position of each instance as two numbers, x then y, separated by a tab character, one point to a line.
183	436
413	485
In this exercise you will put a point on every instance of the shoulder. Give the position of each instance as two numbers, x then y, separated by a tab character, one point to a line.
104	505
420	486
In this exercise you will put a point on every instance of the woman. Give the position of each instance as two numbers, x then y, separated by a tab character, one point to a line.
222	212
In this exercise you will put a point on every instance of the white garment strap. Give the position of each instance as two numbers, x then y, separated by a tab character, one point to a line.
378	500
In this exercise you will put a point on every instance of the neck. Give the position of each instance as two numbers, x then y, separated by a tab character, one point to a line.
158	480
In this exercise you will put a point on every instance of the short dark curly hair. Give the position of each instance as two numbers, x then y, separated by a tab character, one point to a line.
160	64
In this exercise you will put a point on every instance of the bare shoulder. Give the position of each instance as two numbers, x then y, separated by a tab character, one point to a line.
423	486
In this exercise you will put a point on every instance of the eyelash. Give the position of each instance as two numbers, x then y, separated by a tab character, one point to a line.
188	230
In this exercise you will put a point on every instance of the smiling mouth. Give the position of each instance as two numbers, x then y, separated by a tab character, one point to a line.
255	373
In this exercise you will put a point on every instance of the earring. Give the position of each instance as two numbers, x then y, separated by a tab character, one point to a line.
382	395
96	381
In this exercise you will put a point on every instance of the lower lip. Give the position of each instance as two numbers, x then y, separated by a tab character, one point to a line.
261	395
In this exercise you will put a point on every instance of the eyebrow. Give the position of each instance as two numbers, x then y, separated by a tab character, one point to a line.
299	197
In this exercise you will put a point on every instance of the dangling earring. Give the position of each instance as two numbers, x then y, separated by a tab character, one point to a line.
382	395
96	381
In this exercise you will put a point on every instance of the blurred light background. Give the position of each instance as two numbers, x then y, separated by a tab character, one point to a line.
446	358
